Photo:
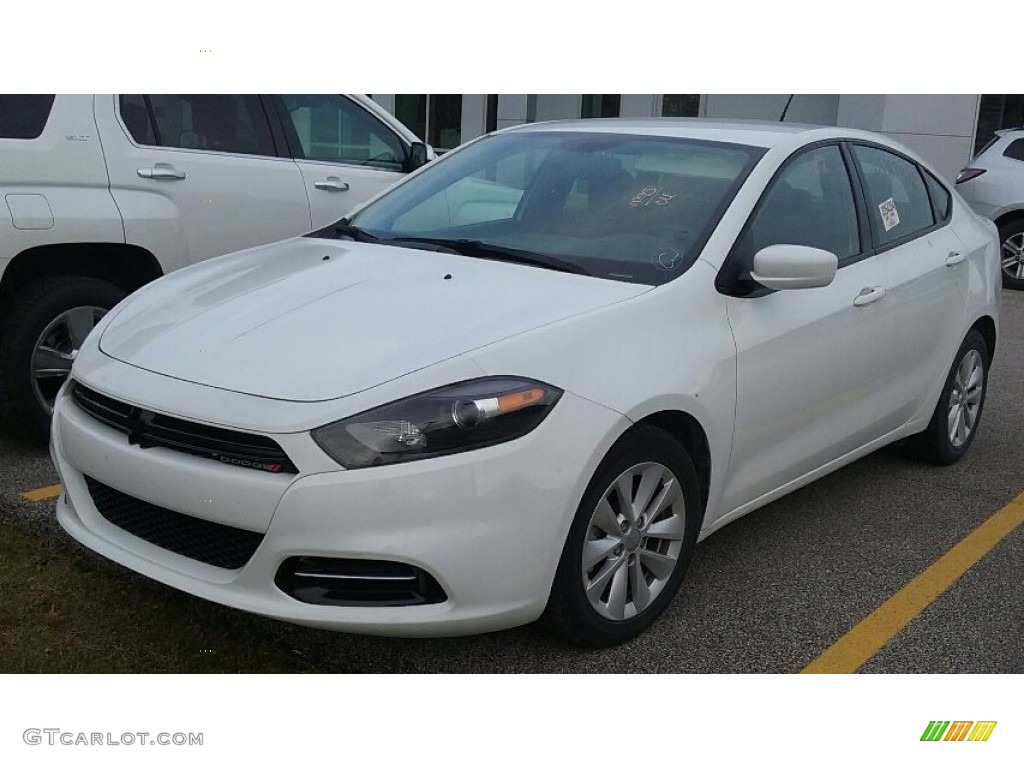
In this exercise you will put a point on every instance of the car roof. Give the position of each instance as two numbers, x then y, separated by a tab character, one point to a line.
759	133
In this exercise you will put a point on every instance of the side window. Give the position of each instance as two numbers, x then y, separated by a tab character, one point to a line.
939	195
332	128
810	203
212	122
1015	150
897	200
24	116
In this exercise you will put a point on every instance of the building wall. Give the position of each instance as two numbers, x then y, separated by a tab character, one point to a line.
940	128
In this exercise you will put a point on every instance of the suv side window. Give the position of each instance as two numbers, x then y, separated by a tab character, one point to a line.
210	122
332	128
1015	150
809	203
23	116
897	200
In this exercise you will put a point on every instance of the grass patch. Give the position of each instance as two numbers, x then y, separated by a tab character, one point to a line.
64	611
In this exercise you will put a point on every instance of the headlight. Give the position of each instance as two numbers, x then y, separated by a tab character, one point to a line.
452	419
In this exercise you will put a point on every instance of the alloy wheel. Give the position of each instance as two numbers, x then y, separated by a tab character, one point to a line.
56	348
1013	256
965	397
633	541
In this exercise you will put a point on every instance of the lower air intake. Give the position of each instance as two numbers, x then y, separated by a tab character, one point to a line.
332	581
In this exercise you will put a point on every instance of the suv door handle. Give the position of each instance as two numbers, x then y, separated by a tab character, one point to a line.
161	171
954	258
332	184
869	296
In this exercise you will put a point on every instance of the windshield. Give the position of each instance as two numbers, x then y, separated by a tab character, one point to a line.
622	207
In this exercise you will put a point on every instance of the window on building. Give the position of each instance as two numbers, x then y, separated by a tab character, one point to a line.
680	105
491	122
24	116
436	118
995	113
596	105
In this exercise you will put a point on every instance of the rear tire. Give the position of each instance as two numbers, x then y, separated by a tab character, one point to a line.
42	329
1011	254
957	415
623	561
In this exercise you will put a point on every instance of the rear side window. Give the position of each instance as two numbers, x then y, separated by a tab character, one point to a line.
23	116
939	195
898	202
212	122
1015	150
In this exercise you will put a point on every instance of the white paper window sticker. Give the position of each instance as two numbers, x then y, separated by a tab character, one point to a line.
890	216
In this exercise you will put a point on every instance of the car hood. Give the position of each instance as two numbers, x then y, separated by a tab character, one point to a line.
309	319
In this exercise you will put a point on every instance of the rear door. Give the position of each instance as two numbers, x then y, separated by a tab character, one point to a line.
197	176
808	362
346	154
925	274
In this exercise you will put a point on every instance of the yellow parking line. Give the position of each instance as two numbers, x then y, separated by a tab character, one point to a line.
868	637
41	494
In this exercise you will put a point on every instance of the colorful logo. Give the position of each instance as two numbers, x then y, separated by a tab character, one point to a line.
958	730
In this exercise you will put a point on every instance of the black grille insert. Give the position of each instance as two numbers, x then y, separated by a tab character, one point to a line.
148	430
213	543
334	581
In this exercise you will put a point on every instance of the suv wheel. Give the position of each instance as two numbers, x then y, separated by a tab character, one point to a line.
1011	254
45	326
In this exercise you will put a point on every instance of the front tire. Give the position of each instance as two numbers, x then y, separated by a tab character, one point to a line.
957	415
44	327
630	543
1011	254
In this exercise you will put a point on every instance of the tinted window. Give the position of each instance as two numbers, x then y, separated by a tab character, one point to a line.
1015	150
216	123
940	196
23	116
898	203
333	128
633	208
809	203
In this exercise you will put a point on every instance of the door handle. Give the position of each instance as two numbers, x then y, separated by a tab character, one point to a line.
332	184
954	258
161	171
869	296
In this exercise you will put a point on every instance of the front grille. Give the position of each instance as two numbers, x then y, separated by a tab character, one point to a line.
148	430
213	543
336	581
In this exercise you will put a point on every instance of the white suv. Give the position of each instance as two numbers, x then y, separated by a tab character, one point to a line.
104	193
993	185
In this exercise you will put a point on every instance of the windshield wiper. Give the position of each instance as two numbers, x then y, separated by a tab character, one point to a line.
481	250
342	228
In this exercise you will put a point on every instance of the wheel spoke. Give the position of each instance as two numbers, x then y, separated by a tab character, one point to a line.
952	419
671	528
48	362
648	482
974	382
669	495
617	595
970	414
624	491
660	565
961	428
638	585
605	519
596	587
80	321
596	550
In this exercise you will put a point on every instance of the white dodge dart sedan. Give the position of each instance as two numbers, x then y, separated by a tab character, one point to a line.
525	381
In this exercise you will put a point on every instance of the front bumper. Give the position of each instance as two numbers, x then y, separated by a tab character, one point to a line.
489	525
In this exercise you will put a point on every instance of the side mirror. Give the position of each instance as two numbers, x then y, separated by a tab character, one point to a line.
419	155
789	267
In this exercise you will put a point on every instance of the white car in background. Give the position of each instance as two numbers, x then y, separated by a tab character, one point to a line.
99	194
525	381
993	185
